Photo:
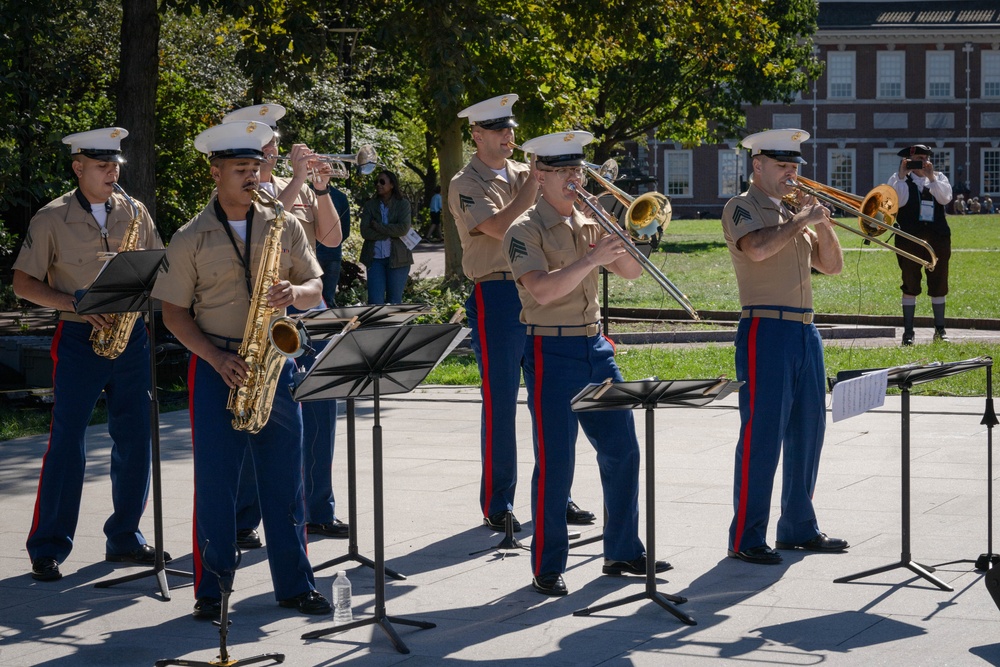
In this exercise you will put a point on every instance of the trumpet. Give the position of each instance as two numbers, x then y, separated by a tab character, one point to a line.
365	159
876	213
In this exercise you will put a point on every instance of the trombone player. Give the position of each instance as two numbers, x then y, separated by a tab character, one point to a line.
779	353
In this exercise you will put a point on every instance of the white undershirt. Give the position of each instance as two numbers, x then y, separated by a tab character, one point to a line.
100	214
501	173
239	228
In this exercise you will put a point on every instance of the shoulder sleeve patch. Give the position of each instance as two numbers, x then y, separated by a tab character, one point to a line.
466	202
741	215
516	250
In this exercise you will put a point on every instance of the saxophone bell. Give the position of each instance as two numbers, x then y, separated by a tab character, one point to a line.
289	337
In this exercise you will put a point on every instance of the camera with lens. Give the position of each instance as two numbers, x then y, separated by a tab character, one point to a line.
914	164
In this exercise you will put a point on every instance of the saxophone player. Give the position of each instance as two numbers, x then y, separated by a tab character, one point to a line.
207	286
59	257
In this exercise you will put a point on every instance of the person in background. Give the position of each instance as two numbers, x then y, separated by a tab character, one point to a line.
206	285
385	220
779	352
61	255
434	231
331	259
923	194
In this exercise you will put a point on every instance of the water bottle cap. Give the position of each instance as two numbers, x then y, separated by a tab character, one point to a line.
341	573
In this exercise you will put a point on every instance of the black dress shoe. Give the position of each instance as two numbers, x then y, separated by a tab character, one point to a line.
248	538
616	568
762	555
496	522
144	555
207	608
310	602
335	528
907	338
941	334
577	516
820	543
45	569
549	584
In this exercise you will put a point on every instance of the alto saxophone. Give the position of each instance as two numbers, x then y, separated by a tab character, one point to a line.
251	402
111	341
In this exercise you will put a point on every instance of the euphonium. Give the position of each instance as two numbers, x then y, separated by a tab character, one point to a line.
111	341
251	402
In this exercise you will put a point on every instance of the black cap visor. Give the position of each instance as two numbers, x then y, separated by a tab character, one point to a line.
102	156
497	123
784	156
567	160
230	153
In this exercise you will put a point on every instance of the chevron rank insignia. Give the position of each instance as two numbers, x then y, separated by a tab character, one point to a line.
516	250
740	215
27	238
466	202
164	266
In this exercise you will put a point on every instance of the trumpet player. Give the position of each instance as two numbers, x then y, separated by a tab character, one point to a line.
554	252
779	353
923	193
206	285
485	197
59	256
308	195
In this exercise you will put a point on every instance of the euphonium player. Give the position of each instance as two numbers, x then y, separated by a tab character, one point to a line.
779	353
554	253
485	198
60	256
211	268
312	203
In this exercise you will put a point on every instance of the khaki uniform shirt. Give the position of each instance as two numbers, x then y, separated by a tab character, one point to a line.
203	271
543	240
304	208
476	193
784	279
64	239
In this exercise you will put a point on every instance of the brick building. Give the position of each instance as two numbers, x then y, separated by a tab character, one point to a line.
896	73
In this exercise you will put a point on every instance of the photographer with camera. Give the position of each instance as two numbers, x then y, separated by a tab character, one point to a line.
923	194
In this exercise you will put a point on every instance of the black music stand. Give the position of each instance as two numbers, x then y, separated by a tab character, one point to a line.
323	325
123	286
373	362
224	659
649	395
904	377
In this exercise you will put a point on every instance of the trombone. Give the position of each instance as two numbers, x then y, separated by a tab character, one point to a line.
876	214
366	159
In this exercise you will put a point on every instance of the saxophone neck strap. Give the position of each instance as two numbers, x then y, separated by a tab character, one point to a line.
244	257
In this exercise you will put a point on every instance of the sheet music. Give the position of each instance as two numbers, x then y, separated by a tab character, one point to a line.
858	395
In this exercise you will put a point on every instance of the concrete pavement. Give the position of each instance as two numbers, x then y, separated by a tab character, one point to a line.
483	605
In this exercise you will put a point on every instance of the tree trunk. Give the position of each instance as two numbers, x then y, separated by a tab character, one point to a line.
137	81
450	159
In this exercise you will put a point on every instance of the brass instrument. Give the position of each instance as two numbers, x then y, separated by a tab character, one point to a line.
612	228
876	213
645	215
366	160
266	339
112	340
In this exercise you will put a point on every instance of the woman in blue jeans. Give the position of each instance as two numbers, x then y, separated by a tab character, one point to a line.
385	220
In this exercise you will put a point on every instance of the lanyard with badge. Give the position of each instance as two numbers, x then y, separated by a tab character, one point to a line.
245	256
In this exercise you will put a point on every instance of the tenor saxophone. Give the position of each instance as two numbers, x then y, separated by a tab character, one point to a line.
251	402
112	340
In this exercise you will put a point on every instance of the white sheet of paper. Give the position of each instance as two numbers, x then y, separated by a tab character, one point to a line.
411	239
858	395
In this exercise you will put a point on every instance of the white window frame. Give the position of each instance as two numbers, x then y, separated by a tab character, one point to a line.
841	71
891	68
992	154
669	158
889	158
991	75
940	70
730	170
831	162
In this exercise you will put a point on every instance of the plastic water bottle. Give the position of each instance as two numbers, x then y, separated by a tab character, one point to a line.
342	599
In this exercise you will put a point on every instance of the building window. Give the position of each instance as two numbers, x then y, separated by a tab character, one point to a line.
940	74
991	74
991	171
677	173
886	164
890	74
840	75
786	120
840	165
730	165
943	160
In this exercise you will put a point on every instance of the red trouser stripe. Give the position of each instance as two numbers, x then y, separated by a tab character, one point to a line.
194	511
539	538
55	362
741	512
487	401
